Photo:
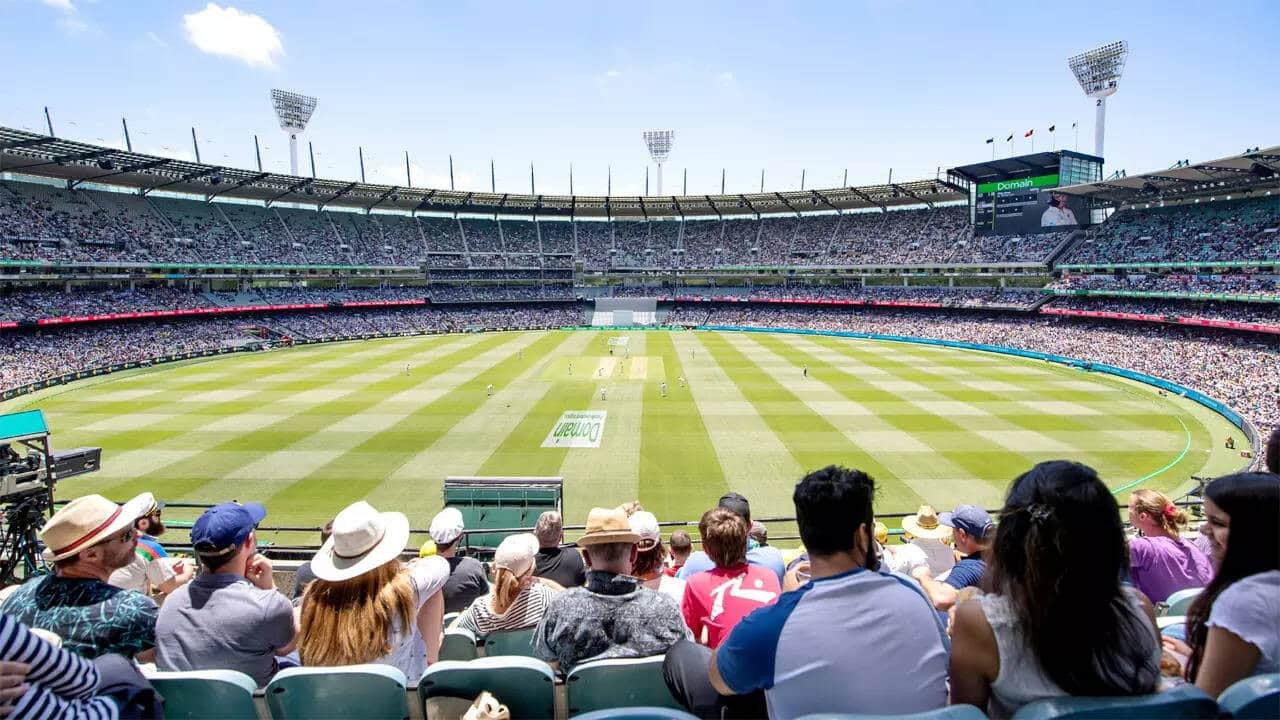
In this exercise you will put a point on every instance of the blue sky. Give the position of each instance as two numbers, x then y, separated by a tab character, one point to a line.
784	86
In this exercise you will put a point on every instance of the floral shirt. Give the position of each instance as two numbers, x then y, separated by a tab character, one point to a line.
92	617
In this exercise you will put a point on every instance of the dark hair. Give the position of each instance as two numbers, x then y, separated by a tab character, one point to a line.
831	504
649	561
735	502
724	537
1273	452
681	542
1058	557
1252	502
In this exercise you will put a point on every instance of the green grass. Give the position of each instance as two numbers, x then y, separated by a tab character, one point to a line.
311	429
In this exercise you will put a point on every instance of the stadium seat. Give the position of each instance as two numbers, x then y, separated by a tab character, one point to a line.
1180	602
1253	698
951	712
620	682
638	713
1184	702
206	694
525	685
371	692
458	644
509	642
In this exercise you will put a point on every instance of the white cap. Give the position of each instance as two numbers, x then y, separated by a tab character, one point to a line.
516	553
446	526
645	524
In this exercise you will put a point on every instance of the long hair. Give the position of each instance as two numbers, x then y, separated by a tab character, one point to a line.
506	588
350	622
1058	557
1252	503
650	561
1170	517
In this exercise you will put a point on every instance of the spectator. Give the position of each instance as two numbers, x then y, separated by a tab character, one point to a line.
365	606
759	533
518	600
613	616
904	558
87	540
808	653
931	536
466	575
303	577
681	546
1160	561
1231	626
151	568
556	562
231	617
717	599
1273	452
970	525
651	555
1058	621
765	556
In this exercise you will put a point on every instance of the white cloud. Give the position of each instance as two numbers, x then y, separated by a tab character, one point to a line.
233	33
725	79
63	5
72	24
612	73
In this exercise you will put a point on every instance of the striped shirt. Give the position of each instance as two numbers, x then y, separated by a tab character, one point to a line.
525	612
60	684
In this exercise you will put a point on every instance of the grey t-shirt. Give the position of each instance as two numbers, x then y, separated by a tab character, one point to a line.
466	583
223	622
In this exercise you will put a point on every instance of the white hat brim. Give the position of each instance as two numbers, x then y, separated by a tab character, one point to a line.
912	525
129	514
328	566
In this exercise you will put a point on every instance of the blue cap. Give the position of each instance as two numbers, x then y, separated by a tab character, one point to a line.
224	526
972	519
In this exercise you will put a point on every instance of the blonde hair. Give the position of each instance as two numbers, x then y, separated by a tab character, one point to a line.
506	588
350	621
1169	516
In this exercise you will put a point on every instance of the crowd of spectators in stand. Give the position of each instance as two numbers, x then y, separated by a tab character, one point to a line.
499	293
1223	230
1235	283
1263	313
948	296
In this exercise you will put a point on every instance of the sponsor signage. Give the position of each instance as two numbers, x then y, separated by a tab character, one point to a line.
1226	324
577	429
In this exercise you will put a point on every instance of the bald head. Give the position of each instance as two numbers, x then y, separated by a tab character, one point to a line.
550	529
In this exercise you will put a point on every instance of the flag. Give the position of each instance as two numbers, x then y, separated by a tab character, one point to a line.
1029	132
1010	138
990	140
1051	127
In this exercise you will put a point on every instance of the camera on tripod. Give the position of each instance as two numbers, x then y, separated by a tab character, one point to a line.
29	469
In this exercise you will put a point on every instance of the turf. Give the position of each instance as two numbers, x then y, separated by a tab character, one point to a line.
311	429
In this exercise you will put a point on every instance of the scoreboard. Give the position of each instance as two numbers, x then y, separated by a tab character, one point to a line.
1025	206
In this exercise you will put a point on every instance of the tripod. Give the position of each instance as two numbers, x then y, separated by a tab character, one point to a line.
19	546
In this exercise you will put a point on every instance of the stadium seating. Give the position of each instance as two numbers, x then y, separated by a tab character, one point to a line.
372	692
951	712
206	694
525	685
622	682
509	642
1185	702
458	644
637	713
1180	602
1255	698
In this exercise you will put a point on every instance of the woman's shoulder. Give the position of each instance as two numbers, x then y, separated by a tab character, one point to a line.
1259	588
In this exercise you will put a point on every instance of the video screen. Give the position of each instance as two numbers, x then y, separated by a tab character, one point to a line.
1026	206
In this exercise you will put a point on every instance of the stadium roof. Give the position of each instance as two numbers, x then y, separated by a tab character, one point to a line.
1041	163
76	163
1246	172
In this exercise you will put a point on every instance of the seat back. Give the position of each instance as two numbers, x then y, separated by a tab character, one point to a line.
950	712
509	642
356	692
206	694
1179	602
1185	702
458	644
617	683
641	713
525	685
1253	698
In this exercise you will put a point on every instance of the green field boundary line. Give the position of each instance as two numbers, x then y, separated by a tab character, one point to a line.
1186	449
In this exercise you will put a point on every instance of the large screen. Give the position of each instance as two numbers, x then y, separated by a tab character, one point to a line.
1026	206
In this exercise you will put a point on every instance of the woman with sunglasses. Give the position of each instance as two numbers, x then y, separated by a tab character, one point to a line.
517	599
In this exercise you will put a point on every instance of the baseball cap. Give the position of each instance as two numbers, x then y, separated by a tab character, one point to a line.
970	518
446	526
735	502
224	526
645	524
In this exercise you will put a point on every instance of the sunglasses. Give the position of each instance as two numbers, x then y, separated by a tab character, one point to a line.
128	535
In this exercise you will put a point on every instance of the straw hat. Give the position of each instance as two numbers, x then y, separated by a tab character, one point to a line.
363	539
608	525
924	524
85	522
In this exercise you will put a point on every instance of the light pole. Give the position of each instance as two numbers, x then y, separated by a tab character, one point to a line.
294	111
659	143
1098	72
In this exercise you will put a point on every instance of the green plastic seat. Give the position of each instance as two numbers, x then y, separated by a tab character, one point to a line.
1180	602
352	692
458	644
525	685
206	694
509	642
640	713
1253	698
619	682
950	712
1185	702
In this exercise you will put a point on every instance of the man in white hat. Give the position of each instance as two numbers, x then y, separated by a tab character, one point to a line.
614	616
931	536
466	575
87	540
151	568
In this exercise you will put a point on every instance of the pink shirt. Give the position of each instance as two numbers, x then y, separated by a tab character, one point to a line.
1161	566
717	599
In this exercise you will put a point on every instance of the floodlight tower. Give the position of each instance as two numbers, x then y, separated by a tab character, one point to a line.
659	142
293	110
1098	72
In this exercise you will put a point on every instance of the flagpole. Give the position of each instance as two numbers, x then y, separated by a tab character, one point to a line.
1076	127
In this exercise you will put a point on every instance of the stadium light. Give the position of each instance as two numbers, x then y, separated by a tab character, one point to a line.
659	144
1098	72
294	111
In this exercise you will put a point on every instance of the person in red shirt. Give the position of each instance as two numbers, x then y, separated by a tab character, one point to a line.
715	600
681	546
